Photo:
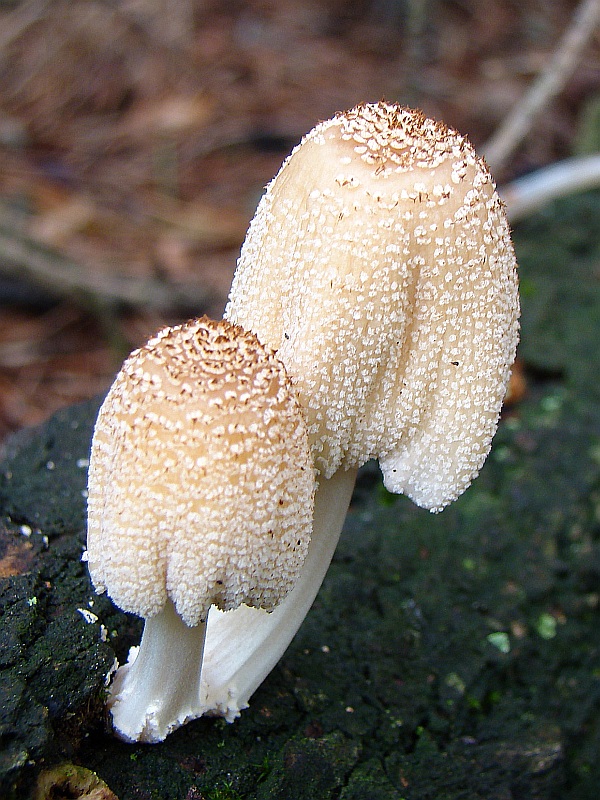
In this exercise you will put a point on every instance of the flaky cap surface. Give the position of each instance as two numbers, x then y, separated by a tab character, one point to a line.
379	265
201	483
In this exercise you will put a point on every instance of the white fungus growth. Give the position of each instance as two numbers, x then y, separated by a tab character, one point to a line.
379	266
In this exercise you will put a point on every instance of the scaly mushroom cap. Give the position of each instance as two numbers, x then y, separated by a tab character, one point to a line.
201	482
379	265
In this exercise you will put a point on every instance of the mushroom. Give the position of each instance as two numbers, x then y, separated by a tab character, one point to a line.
380	268
200	492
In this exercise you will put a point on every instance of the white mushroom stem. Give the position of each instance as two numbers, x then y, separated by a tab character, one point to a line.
157	690
167	682
243	645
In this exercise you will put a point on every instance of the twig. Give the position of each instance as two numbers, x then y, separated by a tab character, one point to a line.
23	258
527	194
547	85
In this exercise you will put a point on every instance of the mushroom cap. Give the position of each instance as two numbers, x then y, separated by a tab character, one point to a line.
201	483
379	266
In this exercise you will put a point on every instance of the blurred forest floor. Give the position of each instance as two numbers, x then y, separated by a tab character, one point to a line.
136	137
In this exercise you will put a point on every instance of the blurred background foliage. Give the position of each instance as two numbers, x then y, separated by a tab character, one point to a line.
136	137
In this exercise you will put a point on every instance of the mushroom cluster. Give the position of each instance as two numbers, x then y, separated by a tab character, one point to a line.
380	270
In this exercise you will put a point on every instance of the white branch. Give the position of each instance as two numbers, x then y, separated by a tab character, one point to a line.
525	195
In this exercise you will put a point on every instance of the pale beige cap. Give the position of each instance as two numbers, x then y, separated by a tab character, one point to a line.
201	483
379	265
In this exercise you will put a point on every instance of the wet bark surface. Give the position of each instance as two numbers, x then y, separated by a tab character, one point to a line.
449	656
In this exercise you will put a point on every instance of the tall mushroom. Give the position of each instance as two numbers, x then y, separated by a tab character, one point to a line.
379	266
200	492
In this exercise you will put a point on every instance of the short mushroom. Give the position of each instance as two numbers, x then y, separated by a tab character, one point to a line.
380	268
200	492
